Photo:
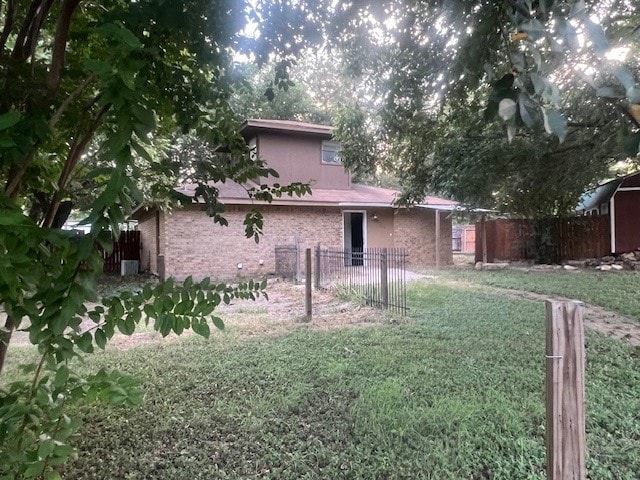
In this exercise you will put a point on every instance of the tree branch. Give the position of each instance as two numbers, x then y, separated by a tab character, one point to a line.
74	155
36	25
67	102
12	188
19	46
60	43
8	24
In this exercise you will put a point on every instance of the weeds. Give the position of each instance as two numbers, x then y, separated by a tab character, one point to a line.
455	392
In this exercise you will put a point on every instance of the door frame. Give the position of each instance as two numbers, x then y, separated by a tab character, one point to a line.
345	236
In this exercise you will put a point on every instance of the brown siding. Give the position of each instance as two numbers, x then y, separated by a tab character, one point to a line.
414	230
627	221
631	181
298	159
380	231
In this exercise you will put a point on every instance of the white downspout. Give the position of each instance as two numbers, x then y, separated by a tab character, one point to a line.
612	221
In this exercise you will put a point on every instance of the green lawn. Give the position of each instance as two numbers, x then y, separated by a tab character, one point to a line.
454	393
614	290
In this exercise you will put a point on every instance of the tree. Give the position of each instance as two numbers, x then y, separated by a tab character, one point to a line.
257	98
544	72
88	91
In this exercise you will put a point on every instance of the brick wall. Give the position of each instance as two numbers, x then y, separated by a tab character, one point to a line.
197	246
414	230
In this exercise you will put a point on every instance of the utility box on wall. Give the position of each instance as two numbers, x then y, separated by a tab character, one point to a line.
129	267
286	261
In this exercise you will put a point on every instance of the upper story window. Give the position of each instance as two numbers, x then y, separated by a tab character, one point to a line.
331	153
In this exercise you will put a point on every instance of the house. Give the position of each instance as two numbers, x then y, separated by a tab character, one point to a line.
338	213
620	199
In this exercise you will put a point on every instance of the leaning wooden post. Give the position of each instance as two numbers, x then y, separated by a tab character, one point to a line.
308	284
437	239
565	358
317	270
484	238
384	285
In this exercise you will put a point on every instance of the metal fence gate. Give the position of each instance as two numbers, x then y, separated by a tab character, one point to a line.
376	274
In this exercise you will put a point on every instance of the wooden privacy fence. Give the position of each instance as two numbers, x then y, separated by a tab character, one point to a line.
549	240
126	248
376	274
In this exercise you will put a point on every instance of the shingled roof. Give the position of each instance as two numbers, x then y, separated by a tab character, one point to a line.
356	196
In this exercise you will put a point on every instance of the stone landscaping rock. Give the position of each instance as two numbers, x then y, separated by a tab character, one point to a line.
494	266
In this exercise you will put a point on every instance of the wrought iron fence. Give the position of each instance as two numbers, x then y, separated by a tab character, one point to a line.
376	274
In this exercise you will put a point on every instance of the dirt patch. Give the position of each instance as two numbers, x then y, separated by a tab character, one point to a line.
283	312
607	322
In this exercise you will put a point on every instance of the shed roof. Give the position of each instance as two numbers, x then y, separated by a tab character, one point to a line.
599	195
603	192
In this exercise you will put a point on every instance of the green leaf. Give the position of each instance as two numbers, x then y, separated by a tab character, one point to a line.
555	123
127	326
633	94
98	67
61	377
607	92
624	76
34	469
528	110
201	327
121	34
9	119
58	324
506	109
101	338
539	83
167	304
46	448
217	321
630	143
84	342
596	34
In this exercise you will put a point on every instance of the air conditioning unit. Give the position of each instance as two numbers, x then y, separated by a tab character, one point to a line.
129	267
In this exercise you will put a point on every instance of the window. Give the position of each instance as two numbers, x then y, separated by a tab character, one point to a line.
331	153
253	149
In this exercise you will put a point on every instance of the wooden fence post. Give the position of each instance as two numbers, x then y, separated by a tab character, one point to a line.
317	270
308	285
437	239
484	238
384	285
565	358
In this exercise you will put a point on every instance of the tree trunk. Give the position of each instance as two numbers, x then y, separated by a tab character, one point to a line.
5	338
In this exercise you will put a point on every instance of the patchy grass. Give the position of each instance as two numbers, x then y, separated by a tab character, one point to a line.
454	392
617	291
